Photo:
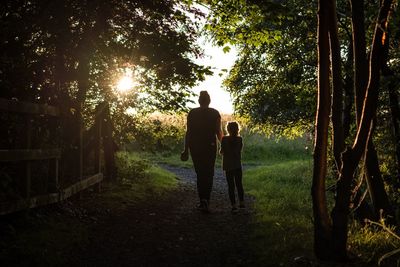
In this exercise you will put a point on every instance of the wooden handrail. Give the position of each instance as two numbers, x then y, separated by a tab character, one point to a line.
26	107
37	201
28	154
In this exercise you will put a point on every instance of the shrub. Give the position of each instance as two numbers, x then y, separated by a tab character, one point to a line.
131	168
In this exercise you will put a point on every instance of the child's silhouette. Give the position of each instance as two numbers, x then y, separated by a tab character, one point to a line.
231	150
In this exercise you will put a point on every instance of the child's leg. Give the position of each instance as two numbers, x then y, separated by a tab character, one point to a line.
239	184
230	176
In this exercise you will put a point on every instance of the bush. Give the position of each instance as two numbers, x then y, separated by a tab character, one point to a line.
159	133
131	168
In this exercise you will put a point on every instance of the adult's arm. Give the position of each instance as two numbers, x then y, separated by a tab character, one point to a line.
222	148
186	142
219	129
185	153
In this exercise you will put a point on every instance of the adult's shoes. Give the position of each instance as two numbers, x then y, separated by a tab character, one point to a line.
203	206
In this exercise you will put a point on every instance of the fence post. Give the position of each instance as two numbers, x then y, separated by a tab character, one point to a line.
28	145
97	143
108	144
54	173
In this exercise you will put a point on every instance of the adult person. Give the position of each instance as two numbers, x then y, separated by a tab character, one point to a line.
203	129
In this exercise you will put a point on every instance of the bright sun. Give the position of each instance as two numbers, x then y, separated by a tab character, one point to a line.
126	82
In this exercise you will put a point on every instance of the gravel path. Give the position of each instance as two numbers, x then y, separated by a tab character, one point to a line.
171	232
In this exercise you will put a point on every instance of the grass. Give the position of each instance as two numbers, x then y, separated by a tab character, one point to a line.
281	186
259	150
374	242
169	158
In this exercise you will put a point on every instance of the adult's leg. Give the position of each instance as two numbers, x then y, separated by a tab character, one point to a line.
230	176
204	163
197	167
209	165
239	185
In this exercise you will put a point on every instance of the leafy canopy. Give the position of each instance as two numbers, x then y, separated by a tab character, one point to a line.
52	51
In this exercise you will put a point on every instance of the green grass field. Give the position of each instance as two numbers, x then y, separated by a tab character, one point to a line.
283	209
278	175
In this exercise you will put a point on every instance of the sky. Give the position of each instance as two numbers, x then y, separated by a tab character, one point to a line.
218	60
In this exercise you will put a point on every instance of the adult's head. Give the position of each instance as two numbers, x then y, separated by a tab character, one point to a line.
204	99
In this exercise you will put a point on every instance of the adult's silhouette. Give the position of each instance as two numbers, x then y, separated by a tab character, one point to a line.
203	129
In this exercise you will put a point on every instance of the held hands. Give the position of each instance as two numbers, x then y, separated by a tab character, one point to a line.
185	155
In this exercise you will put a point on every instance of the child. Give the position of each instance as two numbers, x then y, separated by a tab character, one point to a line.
231	150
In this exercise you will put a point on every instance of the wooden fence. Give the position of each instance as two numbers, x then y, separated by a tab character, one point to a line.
55	191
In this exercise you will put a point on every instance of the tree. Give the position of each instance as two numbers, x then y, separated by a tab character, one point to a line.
276	58
67	48
352	156
330	231
70	53
322	223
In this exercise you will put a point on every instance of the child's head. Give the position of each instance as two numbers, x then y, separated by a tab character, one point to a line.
233	128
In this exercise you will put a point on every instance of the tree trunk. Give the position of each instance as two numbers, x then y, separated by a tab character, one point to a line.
322	223
360	55
352	156
374	179
337	86
342	201
348	94
376	186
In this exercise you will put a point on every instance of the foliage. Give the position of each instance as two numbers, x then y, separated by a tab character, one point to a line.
272	82
245	21
159	133
131	167
135	172
71	54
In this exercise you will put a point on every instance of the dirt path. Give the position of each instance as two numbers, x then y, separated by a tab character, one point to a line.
171	232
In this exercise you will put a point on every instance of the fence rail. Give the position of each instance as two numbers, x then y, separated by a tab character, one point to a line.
51	198
26	107
29	154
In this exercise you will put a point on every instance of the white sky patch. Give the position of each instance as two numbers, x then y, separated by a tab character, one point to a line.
218	60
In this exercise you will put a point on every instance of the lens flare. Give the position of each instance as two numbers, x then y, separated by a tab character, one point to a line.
125	84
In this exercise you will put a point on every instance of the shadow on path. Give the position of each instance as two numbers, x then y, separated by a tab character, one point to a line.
169	231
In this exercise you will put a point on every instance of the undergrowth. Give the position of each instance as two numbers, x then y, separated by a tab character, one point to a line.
375	242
